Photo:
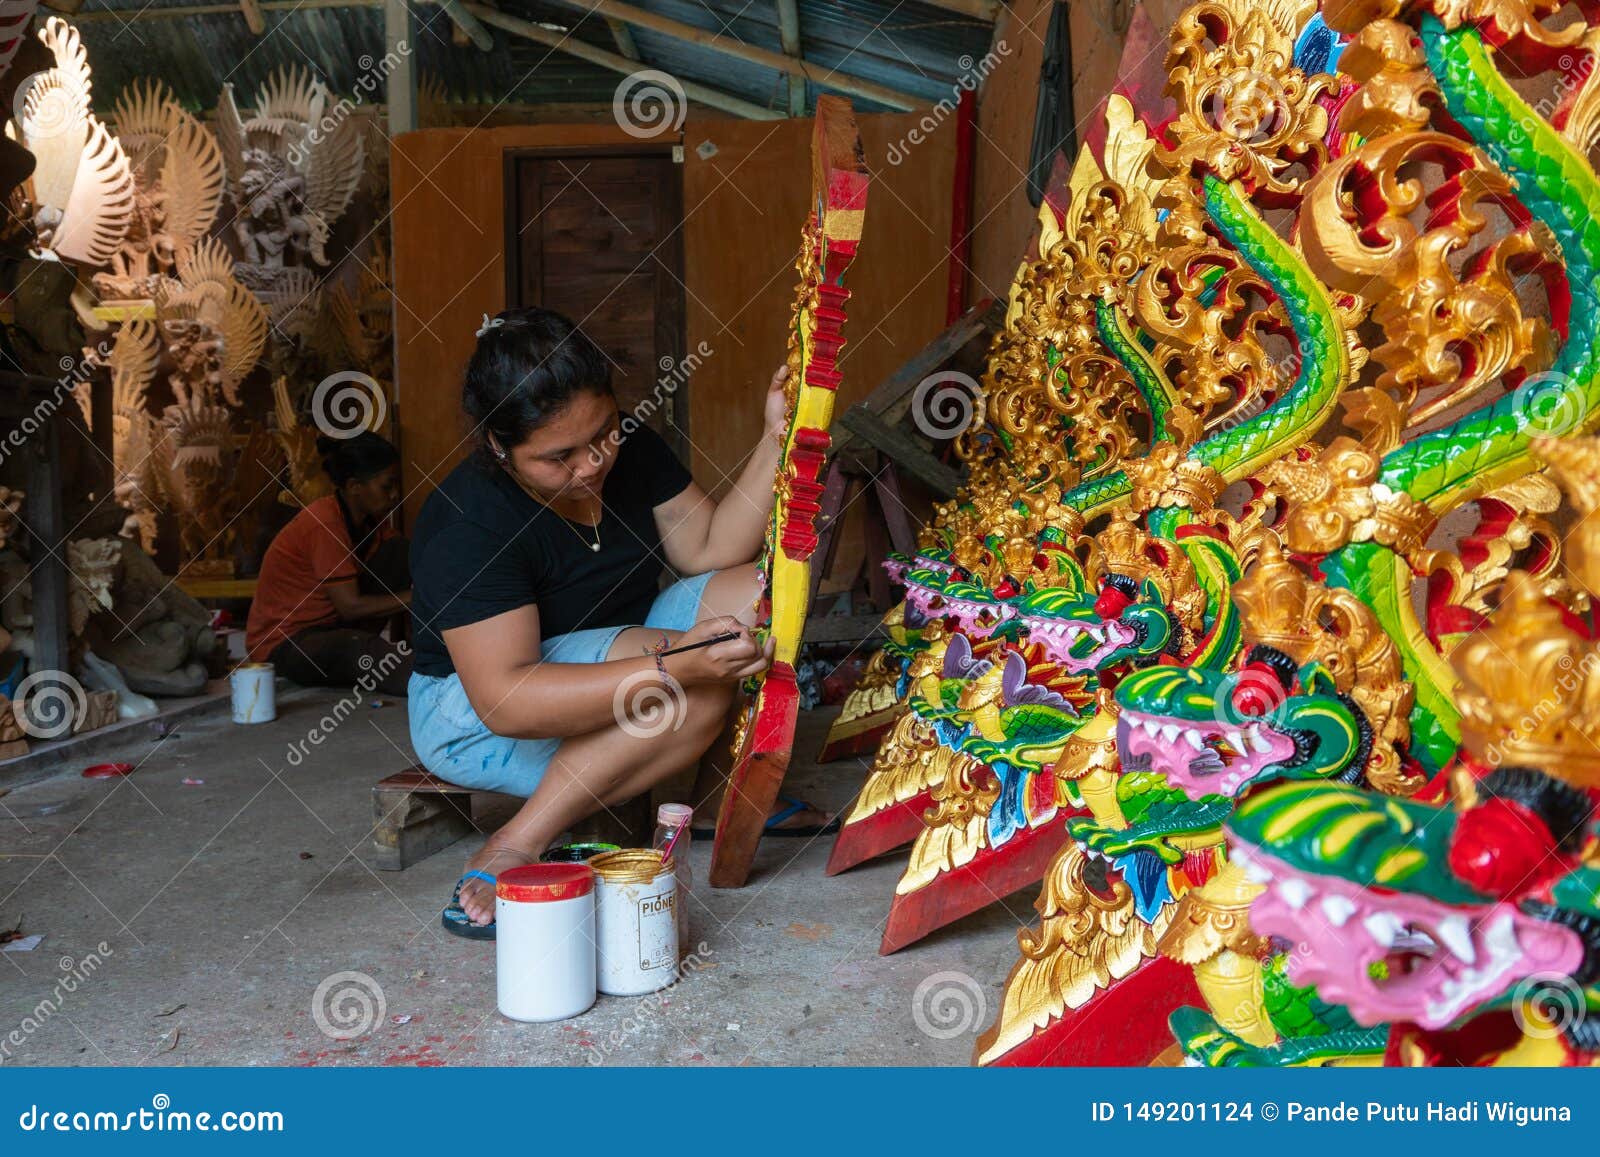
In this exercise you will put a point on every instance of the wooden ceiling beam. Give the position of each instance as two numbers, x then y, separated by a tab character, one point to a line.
256	22
842	82
469	25
985	10
572	46
623	35
789	33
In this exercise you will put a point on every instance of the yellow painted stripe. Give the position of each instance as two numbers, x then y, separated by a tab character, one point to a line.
1282	826
1339	837
1399	865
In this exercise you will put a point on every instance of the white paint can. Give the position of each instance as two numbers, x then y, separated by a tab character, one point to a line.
254	697
636	932
544	941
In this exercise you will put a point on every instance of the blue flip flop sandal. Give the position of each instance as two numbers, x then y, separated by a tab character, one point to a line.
454	917
795	807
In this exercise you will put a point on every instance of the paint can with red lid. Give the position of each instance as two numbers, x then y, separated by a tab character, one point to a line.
544	941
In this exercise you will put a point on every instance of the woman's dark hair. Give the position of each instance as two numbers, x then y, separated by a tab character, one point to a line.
356	459
528	365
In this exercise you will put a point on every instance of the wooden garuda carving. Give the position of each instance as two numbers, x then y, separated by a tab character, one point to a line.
178	190
81	196
293	165
827	247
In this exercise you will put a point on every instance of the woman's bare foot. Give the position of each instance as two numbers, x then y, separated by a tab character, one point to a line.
477	896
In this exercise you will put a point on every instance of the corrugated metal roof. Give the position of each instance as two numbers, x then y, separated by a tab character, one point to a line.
910	47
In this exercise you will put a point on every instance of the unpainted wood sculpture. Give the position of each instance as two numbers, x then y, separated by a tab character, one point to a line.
82	190
293	165
178	188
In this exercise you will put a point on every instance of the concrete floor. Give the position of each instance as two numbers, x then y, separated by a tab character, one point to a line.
225	904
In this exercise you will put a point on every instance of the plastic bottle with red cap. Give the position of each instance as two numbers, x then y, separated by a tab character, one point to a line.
670	817
544	941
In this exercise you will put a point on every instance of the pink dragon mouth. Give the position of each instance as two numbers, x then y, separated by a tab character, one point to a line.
1201	758
1400	956
1059	635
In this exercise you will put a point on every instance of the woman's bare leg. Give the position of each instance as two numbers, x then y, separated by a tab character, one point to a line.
732	593
600	769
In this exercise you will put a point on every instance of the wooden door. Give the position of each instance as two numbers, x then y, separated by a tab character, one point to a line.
595	235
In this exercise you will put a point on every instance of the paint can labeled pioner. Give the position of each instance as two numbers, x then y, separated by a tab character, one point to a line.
636	932
544	941
254	695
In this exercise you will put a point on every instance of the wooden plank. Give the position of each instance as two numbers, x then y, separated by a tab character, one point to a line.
789	34
561	42
891	398
730	46
905	451
400	86
46	521
217	588
901	534
252	16
468	24
985	10
623	35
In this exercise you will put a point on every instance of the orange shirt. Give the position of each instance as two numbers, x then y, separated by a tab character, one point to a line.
310	554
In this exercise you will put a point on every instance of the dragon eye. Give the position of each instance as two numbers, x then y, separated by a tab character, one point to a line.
1256	691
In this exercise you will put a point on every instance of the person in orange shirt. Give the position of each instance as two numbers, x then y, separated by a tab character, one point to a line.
336	575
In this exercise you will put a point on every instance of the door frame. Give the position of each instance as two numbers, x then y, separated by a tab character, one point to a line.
675	335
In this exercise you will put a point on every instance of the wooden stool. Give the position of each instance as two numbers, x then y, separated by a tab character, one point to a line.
414	815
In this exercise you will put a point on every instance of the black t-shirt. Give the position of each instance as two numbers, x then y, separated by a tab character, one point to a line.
483	547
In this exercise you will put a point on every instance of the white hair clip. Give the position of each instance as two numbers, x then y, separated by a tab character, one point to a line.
490	323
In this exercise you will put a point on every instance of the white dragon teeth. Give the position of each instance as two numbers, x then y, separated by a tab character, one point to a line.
1338	909
1258	742
1295	892
1236	741
1169	732
1501	938
1194	740
1384	928
1456	933
1258	873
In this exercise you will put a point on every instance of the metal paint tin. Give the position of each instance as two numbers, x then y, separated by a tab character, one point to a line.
254	696
636	933
576	853
544	941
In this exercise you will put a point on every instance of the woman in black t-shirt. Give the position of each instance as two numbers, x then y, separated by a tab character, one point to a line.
532	565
